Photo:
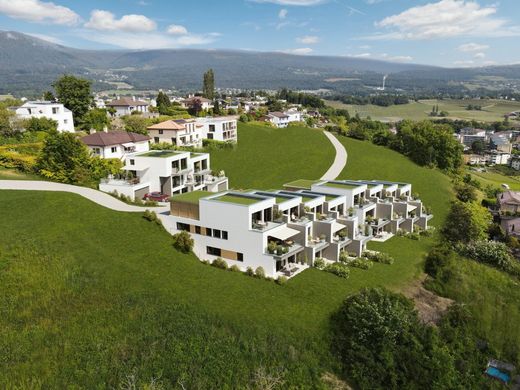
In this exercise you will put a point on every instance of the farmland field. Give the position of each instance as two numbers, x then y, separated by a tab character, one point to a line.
492	110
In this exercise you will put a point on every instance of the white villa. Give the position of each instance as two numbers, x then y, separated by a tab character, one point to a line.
282	119
165	171
127	105
116	144
222	128
51	110
276	230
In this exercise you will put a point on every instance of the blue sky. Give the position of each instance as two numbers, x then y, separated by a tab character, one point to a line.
452	33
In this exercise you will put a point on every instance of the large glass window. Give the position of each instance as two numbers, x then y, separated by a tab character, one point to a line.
213	251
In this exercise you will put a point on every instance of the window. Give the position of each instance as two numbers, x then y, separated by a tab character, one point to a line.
213	251
216	233
212	128
54	110
197	229
240	256
65	121
224	235
156	140
96	151
208	232
113	149
132	162
174	141
161	131
183	226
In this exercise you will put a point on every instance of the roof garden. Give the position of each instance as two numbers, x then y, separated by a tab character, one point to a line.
238	199
345	186
160	153
301	183
191	197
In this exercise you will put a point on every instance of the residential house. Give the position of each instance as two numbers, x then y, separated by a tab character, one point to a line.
500	143
180	132
165	171
50	110
279	119
515	162
509	212
468	135
222	128
127	105
116	144
287	230
494	157
190	102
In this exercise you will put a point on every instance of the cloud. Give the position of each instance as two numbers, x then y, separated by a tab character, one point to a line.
283	13
308	39
445	19
39	11
480	55
105	21
383	57
469	47
176	29
299	51
304	3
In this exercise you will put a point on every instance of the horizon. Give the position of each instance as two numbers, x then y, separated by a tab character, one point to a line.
442	33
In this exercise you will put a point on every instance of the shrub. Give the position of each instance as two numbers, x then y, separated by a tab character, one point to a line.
360	263
319	263
379	257
250	272
235	268
437	259
183	242
343	256
152	217
271	247
219	263
281	280
338	269
492	253
260	273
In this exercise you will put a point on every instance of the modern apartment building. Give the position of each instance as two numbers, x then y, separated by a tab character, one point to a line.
222	128
305	221
165	171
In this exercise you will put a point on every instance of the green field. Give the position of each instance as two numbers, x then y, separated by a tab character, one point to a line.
496	179
492	110
12	174
89	296
267	158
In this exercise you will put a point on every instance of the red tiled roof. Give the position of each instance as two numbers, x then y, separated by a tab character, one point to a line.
113	138
126	102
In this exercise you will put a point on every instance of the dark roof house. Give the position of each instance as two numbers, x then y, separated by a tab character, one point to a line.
113	138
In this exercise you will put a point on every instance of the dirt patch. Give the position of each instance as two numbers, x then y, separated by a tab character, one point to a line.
430	307
333	382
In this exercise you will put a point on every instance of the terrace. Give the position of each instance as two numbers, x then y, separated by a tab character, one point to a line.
191	197
240	199
302	184
342	185
160	153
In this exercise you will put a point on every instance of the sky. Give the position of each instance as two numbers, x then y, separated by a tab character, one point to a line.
450	33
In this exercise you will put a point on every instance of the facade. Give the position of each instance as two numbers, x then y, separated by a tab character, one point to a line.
279	119
515	162
494	157
190	102
51	110
222	128
307	220
165	171
127	105
180	132
509	212
116	144
500	143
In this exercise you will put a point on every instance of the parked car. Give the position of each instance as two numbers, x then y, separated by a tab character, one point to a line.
157	197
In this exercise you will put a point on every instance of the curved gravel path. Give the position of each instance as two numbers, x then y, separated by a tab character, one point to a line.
339	161
96	196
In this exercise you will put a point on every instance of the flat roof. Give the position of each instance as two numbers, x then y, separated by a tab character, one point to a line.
237	199
191	197
159	153
301	183
342	185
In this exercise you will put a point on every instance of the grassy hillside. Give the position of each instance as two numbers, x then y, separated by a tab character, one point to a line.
267	158
492	110
495	179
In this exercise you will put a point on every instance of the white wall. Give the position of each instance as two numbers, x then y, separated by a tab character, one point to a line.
54	111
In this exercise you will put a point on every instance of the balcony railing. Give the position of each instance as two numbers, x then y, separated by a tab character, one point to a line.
122	181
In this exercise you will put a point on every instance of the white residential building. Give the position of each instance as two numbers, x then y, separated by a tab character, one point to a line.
127	105
282	119
494	157
116	144
190	102
51	110
165	171
180	132
289	229
515	162
222	128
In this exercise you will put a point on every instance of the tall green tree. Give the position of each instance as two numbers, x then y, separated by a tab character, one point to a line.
74	93
208	86
96	119
44	124
466	222
48	96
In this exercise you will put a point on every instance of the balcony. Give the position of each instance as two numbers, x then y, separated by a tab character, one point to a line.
284	250
121	181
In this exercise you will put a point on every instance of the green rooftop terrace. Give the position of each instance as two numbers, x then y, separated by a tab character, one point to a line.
192	197
160	153
345	186
301	183
237	199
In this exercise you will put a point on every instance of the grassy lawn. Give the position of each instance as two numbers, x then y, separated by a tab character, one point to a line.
267	158
495	179
12	174
492	110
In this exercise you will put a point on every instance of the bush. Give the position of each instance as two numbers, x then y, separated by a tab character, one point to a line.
360	263
183	242
219	263
379	257
338	269
211	144
152	217
281	280
235	268
250	272
319	263
343	256
492	253
437	259
260	273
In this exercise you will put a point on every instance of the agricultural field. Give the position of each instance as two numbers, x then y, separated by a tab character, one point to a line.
107	305
268	157
492	110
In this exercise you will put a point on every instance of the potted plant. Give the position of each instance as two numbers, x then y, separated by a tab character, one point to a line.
271	247
279	250
323	237
351	211
342	234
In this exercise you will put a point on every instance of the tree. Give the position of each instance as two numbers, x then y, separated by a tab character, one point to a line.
49	96
196	107
163	103
466	222
135	124
208	86
74	93
478	147
465	193
96	119
44	124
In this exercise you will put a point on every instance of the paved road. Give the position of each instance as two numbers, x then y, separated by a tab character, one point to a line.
339	161
95	196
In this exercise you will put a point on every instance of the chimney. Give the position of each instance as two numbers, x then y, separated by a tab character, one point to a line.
105	129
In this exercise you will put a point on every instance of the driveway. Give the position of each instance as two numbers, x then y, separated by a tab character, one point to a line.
339	161
96	196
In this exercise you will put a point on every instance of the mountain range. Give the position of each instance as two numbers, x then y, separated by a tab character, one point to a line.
30	65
